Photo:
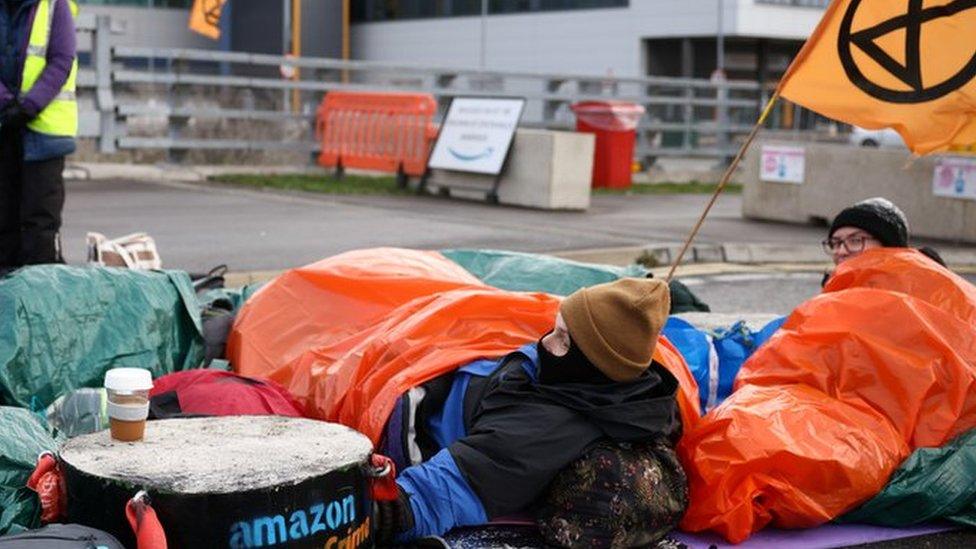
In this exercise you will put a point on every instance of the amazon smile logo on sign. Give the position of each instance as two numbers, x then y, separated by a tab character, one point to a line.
476	134
471	157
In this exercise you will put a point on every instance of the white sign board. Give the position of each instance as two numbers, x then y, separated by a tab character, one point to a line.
476	135
955	177
782	164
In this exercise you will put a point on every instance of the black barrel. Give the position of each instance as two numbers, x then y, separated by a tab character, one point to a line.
310	488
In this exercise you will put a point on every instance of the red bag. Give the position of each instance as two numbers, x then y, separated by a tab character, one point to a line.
219	393
883	362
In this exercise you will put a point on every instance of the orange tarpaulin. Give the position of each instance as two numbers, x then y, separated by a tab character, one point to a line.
348	335
909	65
881	363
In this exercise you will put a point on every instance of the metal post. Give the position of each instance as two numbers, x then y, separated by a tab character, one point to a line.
285	45
484	35
345	39
720	38
688	111
104	100
177	153
226	35
296	50
723	134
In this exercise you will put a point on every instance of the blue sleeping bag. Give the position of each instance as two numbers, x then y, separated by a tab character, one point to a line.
715	357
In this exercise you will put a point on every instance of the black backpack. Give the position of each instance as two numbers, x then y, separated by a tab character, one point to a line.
61	536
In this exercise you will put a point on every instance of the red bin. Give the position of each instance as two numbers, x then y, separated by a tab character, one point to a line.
615	126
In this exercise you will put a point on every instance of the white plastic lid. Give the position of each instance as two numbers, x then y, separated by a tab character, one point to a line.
128	379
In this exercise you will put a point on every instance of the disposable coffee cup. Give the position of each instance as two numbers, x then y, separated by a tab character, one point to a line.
128	402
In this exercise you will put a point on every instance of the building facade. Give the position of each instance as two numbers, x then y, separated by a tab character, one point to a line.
256	26
624	38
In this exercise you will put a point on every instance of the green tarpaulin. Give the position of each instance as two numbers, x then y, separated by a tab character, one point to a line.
523	272
22	439
932	484
63	327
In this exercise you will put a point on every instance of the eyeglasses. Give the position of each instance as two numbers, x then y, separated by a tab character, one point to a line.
854	244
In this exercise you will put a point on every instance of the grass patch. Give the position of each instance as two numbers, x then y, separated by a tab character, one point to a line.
325	184
694	187
386	185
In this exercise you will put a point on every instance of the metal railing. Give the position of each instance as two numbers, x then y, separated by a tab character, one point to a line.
683	115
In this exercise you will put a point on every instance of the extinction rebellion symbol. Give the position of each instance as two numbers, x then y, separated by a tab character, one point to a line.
909	72
211	11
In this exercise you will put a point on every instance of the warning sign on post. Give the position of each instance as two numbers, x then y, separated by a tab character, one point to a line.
476	135
782	164
955	178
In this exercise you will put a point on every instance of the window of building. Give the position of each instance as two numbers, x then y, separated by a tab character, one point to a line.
391	10
142	3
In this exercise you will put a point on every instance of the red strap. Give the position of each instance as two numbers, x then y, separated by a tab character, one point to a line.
383	484
142	518
46	480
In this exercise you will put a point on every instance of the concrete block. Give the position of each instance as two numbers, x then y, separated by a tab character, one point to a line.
665	255
840	175
707	254
738	253
549	170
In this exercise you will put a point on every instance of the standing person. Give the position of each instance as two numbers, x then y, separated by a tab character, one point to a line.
38	125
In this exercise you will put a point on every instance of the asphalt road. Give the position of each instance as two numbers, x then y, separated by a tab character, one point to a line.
197	227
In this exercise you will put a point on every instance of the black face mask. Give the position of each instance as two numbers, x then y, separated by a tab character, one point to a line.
573	367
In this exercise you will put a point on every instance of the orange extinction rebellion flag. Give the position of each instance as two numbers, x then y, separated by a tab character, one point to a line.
205	17
905	64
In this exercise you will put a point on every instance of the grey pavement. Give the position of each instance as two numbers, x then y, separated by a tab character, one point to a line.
762	292
198	226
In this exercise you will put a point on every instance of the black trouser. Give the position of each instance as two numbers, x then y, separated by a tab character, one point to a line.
31	199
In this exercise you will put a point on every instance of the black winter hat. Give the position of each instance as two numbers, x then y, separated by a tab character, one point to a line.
879	217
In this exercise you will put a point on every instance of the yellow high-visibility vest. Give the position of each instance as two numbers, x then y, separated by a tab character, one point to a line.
60	116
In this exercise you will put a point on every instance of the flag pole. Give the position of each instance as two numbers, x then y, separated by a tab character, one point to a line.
725	180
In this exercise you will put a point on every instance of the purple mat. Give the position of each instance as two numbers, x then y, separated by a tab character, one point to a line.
829	535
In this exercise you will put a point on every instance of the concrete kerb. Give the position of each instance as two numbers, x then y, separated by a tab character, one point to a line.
244	278
729	254
99	171
809	256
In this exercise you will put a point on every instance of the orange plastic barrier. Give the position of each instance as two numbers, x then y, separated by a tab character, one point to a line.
348	335
881	363
391	132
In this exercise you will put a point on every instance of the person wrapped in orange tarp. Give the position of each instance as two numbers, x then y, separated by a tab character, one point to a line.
879	364
354	336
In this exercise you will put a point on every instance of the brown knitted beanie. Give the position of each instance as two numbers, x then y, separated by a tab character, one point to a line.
616	325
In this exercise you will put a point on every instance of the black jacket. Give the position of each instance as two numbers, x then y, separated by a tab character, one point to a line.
521	433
